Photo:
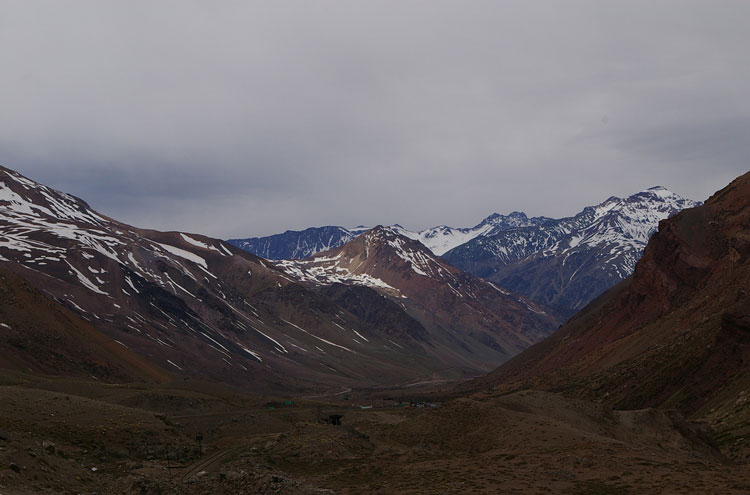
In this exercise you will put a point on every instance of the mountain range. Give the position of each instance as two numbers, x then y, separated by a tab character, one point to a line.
188	305
300	244
171	352
560	263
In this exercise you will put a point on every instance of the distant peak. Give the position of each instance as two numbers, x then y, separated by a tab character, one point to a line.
381	231
513	214
658	191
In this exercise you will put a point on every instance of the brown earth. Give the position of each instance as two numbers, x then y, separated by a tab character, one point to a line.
38	334
141	439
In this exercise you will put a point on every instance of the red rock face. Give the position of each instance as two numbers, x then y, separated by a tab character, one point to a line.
674	333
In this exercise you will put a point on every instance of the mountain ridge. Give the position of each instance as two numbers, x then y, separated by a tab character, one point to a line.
560	263
442	298
300	244
200	308
675	334
565	263
192	305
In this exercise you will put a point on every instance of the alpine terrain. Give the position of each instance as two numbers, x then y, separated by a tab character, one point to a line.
566	263
305	243
560	263
142	362
197	307
676	335
297	244
468	321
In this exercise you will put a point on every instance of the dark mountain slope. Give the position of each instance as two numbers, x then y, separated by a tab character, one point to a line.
191	304
675	334
38	334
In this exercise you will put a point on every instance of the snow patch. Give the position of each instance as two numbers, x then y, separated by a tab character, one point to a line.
183	254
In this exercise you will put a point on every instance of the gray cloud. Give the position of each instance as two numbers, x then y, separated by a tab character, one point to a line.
248	118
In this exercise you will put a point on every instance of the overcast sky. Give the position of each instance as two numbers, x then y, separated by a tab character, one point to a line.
236	119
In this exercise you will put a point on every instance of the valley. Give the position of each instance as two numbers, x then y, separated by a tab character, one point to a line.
141	362
390	248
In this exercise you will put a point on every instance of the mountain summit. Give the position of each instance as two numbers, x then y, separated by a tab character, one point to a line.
565	263
472	320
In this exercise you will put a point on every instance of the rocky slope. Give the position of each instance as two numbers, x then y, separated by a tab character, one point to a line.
566	263
676	334
38	333
467	321
191	305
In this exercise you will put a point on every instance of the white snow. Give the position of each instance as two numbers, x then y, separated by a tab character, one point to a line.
171	280
281	347
85	281
130	283
319	338
183	254
360	335
170	362
442	238
197	243
327	274
252	353
207	272
226	251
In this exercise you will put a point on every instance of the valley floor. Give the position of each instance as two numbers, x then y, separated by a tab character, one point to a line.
61	435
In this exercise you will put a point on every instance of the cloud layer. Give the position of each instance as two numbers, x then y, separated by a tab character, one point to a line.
247	118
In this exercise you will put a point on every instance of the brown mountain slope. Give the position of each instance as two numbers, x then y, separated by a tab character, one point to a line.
38	334
468	322
192	305
675	334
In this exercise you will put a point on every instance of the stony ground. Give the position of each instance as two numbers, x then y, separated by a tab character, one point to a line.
75	436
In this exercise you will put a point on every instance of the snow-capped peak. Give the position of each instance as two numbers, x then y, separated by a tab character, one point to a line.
442	238
371	259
